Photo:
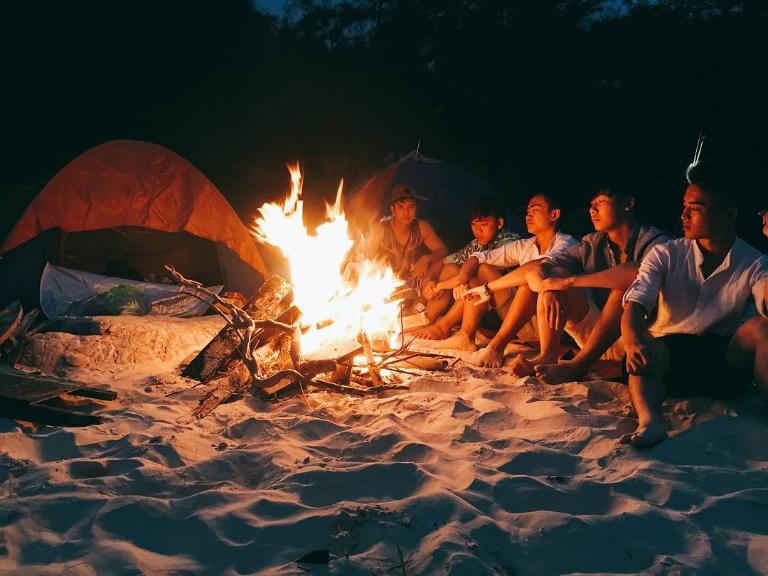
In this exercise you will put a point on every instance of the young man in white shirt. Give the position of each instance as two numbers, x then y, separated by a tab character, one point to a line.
541	220
700	286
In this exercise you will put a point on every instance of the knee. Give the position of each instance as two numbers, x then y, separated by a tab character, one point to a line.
448	271
486	272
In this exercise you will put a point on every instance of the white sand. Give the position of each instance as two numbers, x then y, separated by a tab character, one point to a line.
472	472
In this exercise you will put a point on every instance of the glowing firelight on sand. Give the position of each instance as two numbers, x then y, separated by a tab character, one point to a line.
320	290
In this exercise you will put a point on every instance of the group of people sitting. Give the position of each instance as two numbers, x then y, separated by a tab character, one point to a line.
686	316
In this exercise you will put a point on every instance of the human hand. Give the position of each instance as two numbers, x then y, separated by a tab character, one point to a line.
420	267
429	289
460	291
478	295
638	356
556	284
554	310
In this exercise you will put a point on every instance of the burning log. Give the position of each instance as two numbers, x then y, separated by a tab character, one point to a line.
222	388
373	368
271	302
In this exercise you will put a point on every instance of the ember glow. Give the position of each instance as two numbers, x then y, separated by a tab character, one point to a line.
333	307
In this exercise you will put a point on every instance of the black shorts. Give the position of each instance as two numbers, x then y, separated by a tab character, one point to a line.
699	367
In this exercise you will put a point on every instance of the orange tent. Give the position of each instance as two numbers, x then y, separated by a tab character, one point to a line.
131	183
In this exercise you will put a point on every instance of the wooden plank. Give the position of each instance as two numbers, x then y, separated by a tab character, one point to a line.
43	414
34	388
97	393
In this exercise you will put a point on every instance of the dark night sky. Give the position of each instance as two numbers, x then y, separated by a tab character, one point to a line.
524	95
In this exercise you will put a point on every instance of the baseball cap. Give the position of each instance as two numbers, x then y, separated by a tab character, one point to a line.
403	192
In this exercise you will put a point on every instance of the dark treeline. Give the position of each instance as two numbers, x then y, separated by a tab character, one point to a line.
523	94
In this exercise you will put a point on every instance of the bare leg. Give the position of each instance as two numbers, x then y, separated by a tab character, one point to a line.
520	311
487	273
748	350
605	332
647	393
442	328
443	299
576	306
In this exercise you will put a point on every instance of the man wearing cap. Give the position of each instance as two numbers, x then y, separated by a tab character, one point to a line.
408	244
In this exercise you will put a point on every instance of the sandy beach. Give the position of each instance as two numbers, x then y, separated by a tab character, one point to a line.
474	471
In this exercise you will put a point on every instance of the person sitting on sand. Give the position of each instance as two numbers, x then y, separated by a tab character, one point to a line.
480	270
487	226
699	343
409	245
606	261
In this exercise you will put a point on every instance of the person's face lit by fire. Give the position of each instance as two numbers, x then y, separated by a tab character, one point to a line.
703	216
404	211
538	216
485	228
608	212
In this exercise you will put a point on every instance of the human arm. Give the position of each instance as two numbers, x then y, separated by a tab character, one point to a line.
618	277
516	277
634	335
437	249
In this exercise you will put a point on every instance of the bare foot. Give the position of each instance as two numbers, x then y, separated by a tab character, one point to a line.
646	436
459	341
432	332
487	357
559	373
522	366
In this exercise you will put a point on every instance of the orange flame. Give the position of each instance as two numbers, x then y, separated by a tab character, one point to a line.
320	290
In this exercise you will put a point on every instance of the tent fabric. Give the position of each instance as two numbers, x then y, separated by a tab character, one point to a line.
132	183
449	191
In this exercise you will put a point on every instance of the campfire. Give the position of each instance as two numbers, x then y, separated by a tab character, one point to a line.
333	305
336	326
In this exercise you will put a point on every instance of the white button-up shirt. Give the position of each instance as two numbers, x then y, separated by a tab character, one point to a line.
518	252
688	303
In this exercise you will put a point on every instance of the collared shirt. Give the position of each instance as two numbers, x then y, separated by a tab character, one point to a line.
461	256
519	252
596	253
688	303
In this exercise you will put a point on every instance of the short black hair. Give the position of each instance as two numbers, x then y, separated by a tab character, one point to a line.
614	179
718	179
487	206
553	200
613	189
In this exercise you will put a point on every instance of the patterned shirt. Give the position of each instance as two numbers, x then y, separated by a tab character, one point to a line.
461	256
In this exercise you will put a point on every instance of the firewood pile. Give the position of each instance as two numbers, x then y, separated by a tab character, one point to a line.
259	352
